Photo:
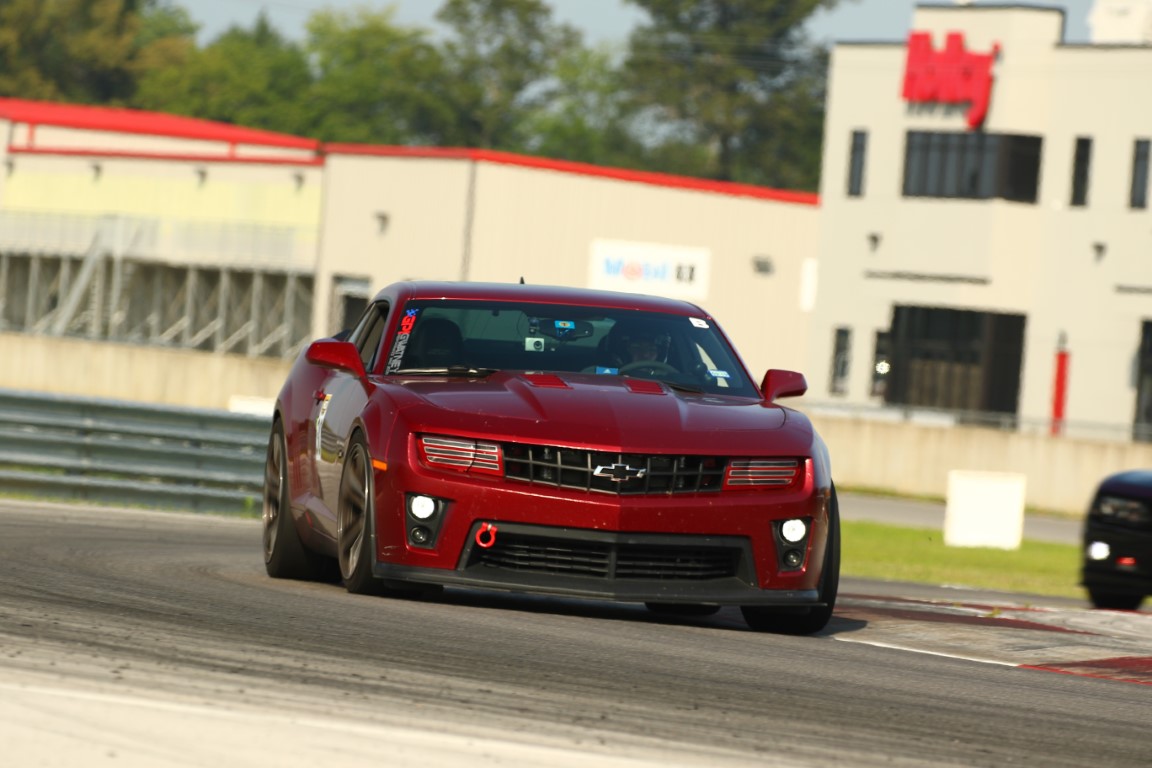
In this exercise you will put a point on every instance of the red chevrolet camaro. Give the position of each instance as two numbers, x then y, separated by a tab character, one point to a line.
551	440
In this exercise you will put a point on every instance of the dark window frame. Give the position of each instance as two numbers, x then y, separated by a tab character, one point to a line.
841	360
1138	194
1019	172
858	153
1081	171
972	165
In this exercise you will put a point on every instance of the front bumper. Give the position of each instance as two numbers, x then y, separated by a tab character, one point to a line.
1128	566
622	567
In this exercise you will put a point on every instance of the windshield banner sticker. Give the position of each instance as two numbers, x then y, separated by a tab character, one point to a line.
401	342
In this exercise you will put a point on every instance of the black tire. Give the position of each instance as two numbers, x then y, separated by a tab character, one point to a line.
285	556
1115	601
355	526
806	621
682	609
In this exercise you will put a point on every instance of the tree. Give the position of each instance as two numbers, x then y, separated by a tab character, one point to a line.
498	63
164	20
79	51
252	77
735	76
586	118
783	145
166	39
374	81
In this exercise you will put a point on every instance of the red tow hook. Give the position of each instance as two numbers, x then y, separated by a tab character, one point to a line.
486	536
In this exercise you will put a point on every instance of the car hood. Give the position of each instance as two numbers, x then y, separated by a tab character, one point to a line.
583	410
1132	484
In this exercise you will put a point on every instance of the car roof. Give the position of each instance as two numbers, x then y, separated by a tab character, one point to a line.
544	294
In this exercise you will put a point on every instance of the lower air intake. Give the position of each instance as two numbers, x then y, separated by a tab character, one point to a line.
563	557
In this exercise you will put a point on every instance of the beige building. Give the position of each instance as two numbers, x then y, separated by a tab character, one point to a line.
746	254
146	249
986	243
979	245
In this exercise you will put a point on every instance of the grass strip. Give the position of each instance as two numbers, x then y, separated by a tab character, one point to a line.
917	555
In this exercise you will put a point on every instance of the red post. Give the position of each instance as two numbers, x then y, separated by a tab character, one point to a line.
1059	391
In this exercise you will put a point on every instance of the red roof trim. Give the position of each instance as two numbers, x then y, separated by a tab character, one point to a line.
185	157
586	169
120	120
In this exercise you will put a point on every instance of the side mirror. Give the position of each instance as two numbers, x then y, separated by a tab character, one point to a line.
780	383
340	355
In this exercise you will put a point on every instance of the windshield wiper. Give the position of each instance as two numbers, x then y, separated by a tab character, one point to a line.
452	370
679	387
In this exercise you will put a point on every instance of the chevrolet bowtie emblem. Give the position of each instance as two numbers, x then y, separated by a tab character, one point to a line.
618	473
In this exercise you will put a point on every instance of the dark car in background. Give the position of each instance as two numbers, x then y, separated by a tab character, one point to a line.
1117	568
551	440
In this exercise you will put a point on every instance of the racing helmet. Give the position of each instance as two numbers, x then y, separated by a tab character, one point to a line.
633	341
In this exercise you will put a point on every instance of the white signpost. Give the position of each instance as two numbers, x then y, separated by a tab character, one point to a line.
985	509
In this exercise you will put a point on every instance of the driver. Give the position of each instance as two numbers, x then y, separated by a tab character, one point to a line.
641	348
631	344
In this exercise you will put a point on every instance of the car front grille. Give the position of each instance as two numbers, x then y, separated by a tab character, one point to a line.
616	473
608	560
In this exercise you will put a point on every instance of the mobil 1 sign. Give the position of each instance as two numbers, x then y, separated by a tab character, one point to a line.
676	271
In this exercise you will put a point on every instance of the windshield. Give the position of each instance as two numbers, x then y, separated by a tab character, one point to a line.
479	336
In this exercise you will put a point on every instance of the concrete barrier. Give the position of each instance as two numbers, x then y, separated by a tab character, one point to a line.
915	459
910	458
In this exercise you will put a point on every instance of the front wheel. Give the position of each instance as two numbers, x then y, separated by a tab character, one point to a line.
354	522
806	621
1116	601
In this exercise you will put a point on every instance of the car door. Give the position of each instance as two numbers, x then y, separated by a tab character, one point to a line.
336	406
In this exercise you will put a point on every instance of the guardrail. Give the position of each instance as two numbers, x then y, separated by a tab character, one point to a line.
122	453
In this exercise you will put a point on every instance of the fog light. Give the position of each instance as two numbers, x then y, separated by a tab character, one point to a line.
1099	550
422	507
420	535
793	530
793	558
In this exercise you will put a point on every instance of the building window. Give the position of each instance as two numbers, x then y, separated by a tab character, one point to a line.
972	165
1020	168
1142	425
350	298
881	363
841	357
1080	167
1139	195
856	163
954	359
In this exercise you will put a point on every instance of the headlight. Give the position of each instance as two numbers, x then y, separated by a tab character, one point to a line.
421	507
1125	511
793	530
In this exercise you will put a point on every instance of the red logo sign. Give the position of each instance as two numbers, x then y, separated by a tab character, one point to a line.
950	76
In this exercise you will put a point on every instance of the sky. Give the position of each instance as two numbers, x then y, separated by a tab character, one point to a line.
603	21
